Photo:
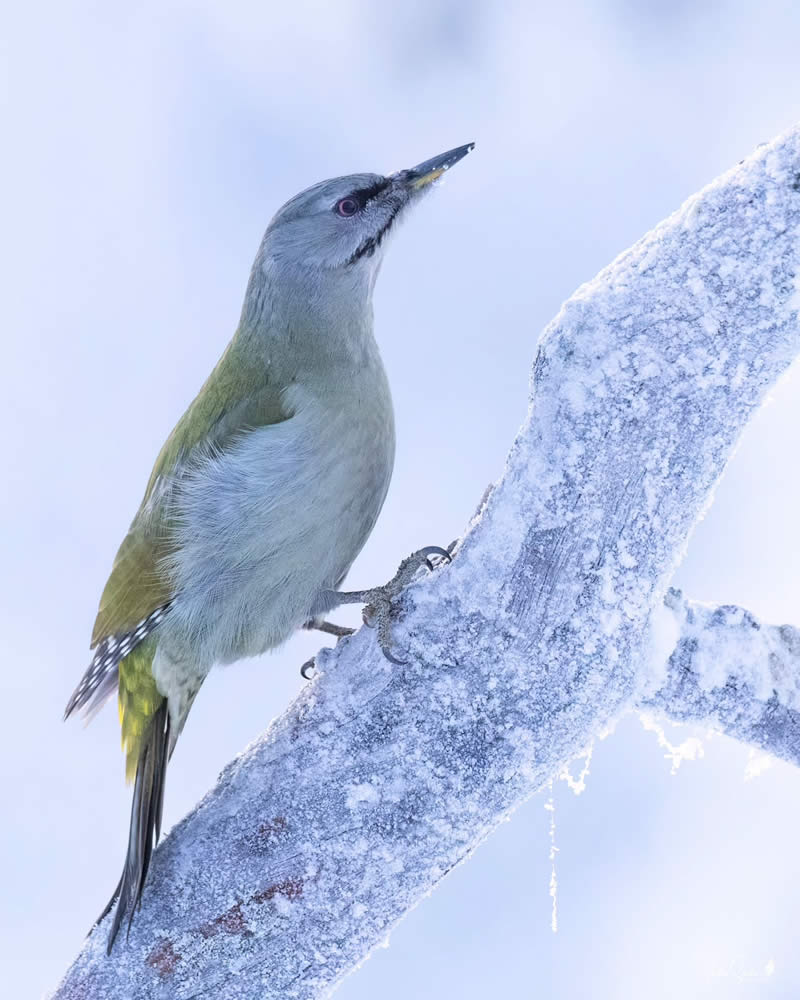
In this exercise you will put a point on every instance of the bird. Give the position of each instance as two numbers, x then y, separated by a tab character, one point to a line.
263	494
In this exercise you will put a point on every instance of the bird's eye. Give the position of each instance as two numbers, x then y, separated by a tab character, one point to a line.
347	206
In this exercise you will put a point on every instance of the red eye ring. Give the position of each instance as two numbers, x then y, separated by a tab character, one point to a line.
347	207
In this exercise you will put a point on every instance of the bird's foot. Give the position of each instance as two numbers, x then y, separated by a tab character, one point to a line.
378	611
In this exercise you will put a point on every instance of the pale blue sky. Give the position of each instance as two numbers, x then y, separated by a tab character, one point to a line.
146	147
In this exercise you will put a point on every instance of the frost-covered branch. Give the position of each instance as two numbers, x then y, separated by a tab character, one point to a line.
727	670
379	779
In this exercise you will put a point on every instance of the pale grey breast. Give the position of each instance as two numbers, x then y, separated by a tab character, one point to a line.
281	515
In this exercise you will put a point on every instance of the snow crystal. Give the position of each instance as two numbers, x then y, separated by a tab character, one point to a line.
690	749
663	633
578	785
757	763
361	794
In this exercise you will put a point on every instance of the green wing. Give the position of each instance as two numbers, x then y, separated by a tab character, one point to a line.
237	396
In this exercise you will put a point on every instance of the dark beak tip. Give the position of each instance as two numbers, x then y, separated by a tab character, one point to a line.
440	163
452	156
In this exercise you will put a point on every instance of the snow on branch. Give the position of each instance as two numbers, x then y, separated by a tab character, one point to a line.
379	779
729	671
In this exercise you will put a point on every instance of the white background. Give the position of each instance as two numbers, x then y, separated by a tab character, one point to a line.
145	148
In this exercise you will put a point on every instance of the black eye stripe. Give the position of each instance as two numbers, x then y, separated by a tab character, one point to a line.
367	194
371	244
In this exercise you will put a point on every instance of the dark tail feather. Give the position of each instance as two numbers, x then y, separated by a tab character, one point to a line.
145	829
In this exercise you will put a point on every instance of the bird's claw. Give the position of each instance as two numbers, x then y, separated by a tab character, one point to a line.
329	628
377	612
435	550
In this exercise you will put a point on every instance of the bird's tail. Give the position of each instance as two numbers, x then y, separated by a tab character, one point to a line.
145	828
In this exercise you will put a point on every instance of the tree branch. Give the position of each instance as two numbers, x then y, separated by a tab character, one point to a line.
730	672
379	779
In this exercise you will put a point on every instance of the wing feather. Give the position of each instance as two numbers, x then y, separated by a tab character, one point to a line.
238	396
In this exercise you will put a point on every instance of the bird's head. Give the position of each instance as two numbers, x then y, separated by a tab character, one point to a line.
340	225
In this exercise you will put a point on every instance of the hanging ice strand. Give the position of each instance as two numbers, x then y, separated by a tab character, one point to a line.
550	806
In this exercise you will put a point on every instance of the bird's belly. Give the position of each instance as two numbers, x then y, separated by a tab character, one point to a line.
267	526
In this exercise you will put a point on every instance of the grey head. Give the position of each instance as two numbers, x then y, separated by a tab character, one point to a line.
340	225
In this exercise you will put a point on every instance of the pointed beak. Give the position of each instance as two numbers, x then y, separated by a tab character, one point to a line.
424	173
